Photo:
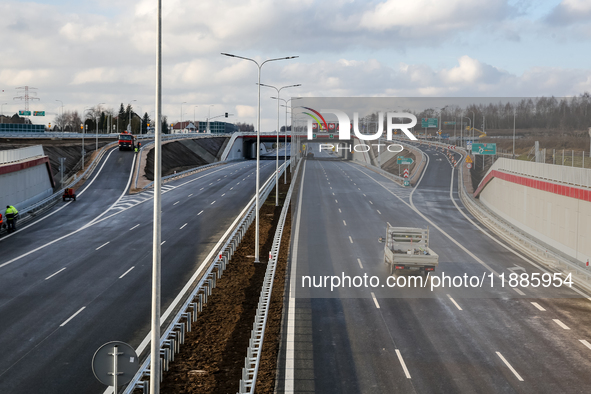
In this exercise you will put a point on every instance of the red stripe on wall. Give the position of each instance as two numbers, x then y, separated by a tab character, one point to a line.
563	190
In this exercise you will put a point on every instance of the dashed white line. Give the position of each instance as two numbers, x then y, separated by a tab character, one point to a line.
388	223
561	324
518	291
238	183
136	226
378	211
360	265
210	184
183	226
336	201
375	300
345	223
199	213
454	302
212	202
232	188
162	243
584	342
350	239
176	203
71	317
371	203
403	364
190	195
510	367
201	189
223	195
333	193
340	210
52	275
105	244
364	195
127	272
538	306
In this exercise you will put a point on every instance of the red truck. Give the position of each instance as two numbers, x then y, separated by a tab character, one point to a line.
126	141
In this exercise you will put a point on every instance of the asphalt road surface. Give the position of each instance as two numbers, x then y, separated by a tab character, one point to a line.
82	276
380	339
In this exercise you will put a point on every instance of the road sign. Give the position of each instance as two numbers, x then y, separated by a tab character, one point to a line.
331	136
24	113
38	113
313	136
469	146
406	172
468	159
404	160
429	122
331	126
115	363
484	149
449	123
468	165
406	183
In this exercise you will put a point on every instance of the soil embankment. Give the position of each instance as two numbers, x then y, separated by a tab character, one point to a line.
182	155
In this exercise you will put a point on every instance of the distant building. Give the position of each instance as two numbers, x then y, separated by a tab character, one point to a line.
218	127
184	127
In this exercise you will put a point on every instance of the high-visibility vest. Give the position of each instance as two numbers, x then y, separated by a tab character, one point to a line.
11	212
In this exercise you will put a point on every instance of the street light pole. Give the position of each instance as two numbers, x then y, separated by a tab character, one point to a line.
514	111
194	121
184	102
130	112
155	373
96	127
277	151
256	258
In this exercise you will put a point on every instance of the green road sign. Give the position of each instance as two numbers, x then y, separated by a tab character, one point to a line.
313	136
484	149
429	122
406	183
38	113
24	113
449	123
331	136
404	160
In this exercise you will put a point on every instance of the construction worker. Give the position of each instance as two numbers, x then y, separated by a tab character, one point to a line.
135	149
11	216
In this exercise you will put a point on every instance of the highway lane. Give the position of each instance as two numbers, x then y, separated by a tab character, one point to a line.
59	304
107	183
450	340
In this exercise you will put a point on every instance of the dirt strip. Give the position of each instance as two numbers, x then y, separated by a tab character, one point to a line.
212	357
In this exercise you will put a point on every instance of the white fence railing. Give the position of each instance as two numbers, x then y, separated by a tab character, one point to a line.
550	172
14	155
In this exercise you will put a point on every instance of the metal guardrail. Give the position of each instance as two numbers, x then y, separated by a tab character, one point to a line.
174	334
14	155
255	346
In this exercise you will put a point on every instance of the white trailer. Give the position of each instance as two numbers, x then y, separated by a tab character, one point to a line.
407	248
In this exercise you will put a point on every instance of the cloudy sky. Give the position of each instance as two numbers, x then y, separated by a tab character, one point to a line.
103	51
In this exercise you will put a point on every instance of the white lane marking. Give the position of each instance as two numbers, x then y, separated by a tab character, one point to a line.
402	363
509	366
364	195
212	202
561	324
201	189
454	302
162	243
232	188
176	203
538	306
238	183
333	193
199	213
190	195
210	184
358	188
378	211
371	203
360	265
52	275
73	316
291	315
340	210
345	223
183	226
336	201
136	226
518	291
105	244
127	272
584	342
223	194
331	188
375	300
388	223
219	179
350	239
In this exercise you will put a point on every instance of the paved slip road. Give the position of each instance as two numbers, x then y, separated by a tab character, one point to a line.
413	340
67	287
